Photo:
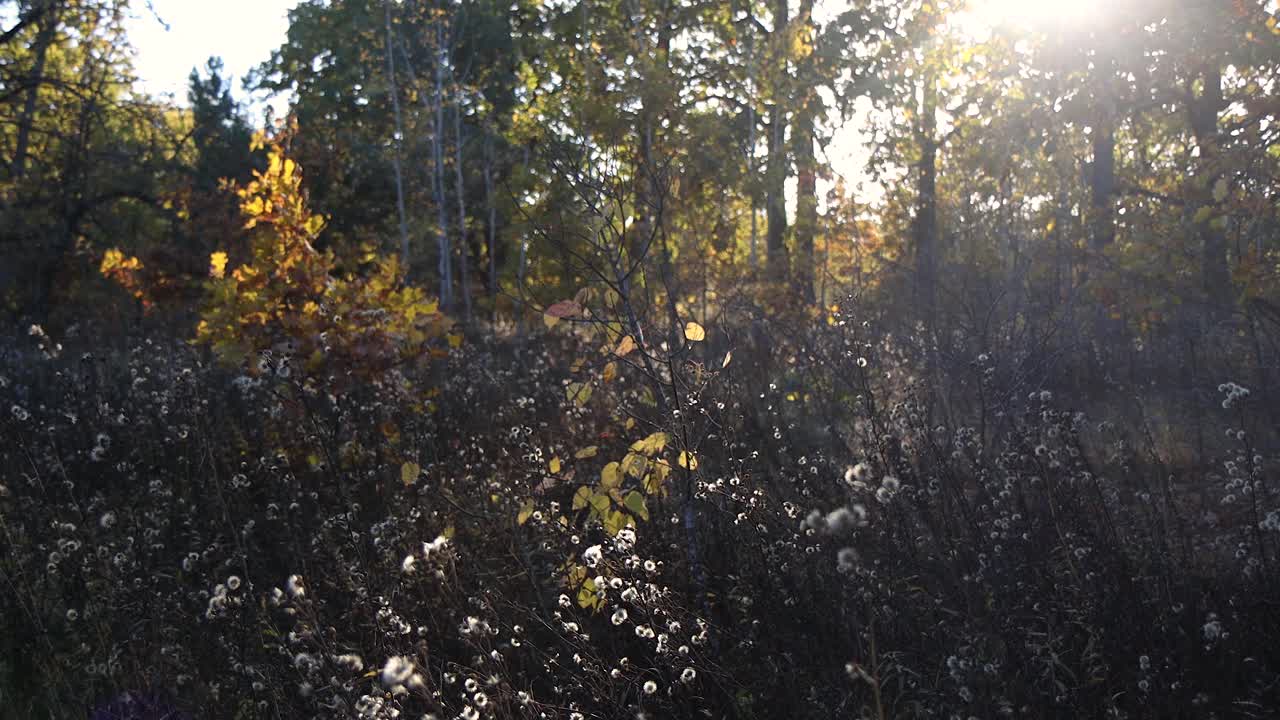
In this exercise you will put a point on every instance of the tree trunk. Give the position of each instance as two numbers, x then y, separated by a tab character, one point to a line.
777	263
437	157
44	38
398	140
803	132
460	188
1204	110
491	227
435	107
751	147
926	222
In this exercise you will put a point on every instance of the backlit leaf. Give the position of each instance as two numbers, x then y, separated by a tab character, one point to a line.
409	473
635	504
625	346
688	460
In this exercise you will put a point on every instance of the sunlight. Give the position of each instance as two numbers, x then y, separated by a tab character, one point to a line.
983	16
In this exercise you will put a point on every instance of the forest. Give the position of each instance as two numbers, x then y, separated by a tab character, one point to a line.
644	359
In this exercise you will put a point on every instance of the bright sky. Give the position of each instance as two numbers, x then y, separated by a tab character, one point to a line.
242	32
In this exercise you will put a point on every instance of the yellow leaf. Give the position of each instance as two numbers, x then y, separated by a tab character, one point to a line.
455	340
651	445
550	320
526	511
409	473
611	476
554	465
581	497
610	372
626	346
687	460
217	265
587	452
635	465
694	332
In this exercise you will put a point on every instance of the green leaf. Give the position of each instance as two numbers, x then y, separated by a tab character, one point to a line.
578	393
635	503
600	502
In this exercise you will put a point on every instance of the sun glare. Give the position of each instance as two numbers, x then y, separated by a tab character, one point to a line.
983	16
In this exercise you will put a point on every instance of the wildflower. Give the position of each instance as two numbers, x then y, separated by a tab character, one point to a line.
435	546
858	473
840	520
593	555
396	671
406	565
650	687
351	662
891	483
846	560
688	675
1212	629
619	616
295	587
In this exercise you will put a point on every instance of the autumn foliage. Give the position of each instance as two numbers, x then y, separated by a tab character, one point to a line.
291	298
